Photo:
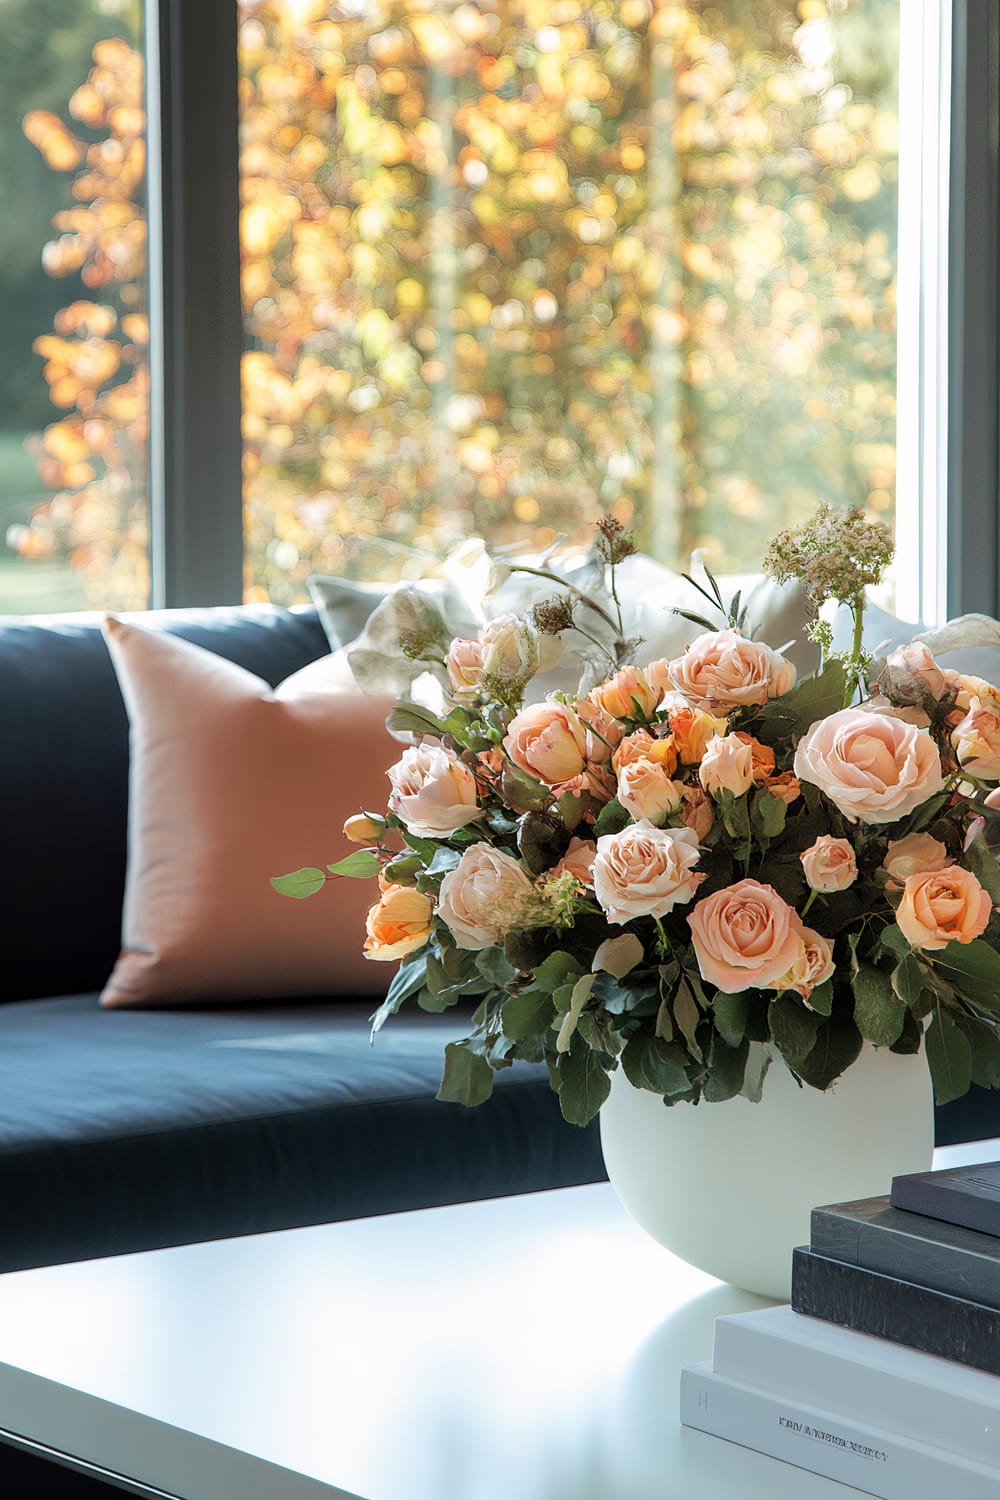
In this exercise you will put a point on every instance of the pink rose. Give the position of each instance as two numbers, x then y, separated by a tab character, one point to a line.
646	791
813	965
871	766
464	664
911	673
829	864
486	896
432	791
722	670
727	765
917	854
941	907
548	740
698	813
977	740
745	937
578	861
645	871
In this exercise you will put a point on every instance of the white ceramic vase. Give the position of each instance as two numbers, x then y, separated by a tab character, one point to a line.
729	1187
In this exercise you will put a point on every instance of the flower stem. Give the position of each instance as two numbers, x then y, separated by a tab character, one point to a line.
854	664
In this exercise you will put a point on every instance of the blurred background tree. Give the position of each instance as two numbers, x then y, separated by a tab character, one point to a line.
507	264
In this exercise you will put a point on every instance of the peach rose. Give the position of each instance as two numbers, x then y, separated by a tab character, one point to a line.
691	729
785	787
548	740
645	871
698	813
917	854
464	664
813	965
977	741
993	798
486	896
965	687
722	670
578	861
363	828
398	923
911	673
941	907
727	765
642	746
646	791
627	695
871	766
432	791
763	757
829	864
745	937
603	731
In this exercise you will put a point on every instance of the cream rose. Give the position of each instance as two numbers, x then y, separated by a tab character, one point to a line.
486	896
464	664
548	740
941	907
977	741
966	687
722	670
727	765
745	937
917	854
645	871
646	791
829	864
432	791
398	924
871	766
578	861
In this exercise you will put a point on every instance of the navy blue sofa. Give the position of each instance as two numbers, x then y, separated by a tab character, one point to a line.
130	1130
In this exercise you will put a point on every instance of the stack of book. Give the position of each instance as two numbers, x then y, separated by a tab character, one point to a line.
883	1372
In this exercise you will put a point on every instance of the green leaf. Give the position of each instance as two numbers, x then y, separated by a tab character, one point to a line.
769	813
793	1029
468	1077
821	998
758	1062
300	883
687	1015
982	862
527	1015
578	998
893	940
556	970
816	698
973	969
653	1064
878	1010
949	1058
910	1037
410	718
493	966
908	979
361	865
523	792
408	978
837	1044
539	842
726	1071
426	848
612	818
583	1085
730	1013
984	1046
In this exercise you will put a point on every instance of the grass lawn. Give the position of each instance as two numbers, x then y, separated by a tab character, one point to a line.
28	587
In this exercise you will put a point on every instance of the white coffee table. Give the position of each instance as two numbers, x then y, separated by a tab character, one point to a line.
519	1349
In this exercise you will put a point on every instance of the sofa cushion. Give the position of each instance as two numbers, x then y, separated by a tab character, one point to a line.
64	770
129	1130
232	783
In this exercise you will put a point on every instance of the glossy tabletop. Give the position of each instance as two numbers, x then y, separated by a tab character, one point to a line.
524	1347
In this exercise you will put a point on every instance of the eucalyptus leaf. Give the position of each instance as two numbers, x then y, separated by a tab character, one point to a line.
759	1057
578	999
878	1010
556	970
527	1015
468	1077
583	1085
619	955
793	1029
837	1045
688	1016
300	883
973	970
910	1037
730	1014
983	864
612	818
821	998
984	1046
655	1065
493	966
407	980
726	1071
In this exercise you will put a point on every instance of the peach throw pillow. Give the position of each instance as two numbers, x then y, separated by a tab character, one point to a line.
232	782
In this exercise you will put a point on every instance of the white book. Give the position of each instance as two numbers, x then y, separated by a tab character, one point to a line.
852	1452
914	1395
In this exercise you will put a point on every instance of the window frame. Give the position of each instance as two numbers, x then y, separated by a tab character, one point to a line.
196	335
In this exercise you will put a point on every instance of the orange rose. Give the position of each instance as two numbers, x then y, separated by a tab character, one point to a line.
642	746
762	757
941	907
398	923
627	695
785	787
691	729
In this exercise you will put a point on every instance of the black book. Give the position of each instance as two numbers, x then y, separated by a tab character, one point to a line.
963	1195
910	1247
853	1297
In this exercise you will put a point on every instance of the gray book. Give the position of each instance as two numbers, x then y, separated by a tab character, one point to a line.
945	1257
959	1195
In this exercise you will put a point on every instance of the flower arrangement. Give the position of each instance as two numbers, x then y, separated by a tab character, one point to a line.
694	866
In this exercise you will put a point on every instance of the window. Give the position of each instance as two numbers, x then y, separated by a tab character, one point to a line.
496	265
